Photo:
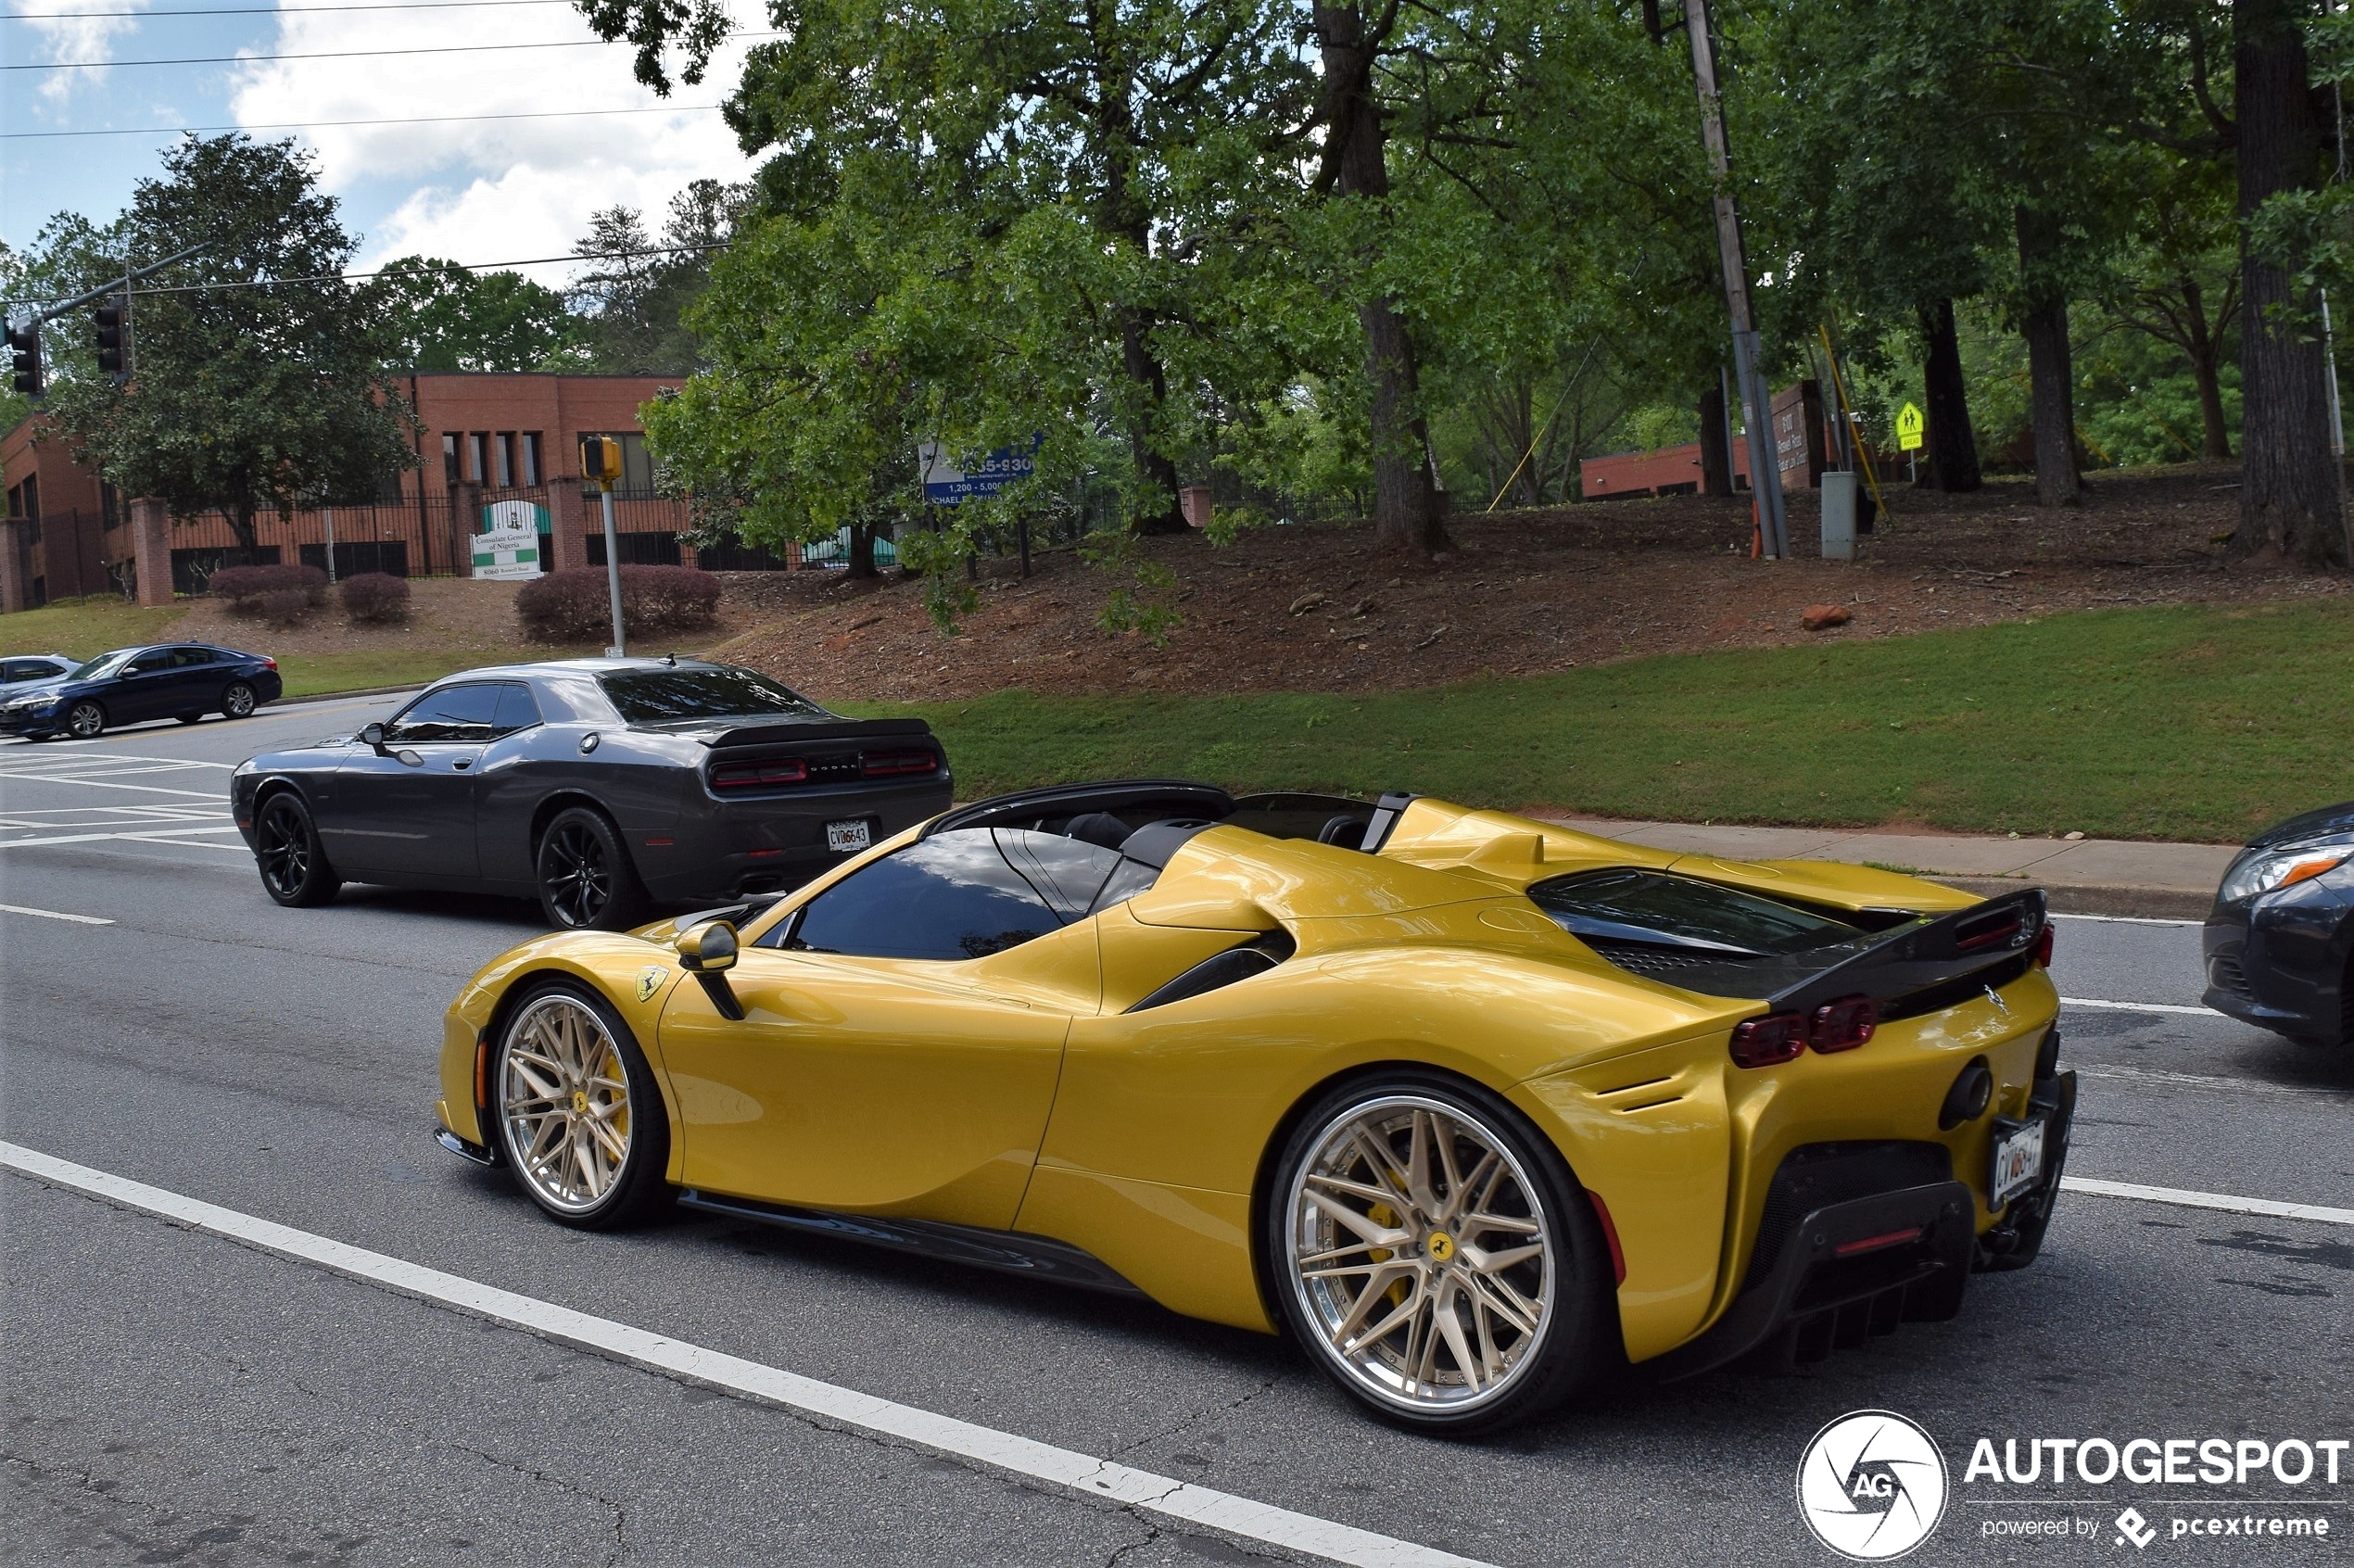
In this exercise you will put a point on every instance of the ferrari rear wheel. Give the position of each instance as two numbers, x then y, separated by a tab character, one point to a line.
581	1121
585	880
1436	1257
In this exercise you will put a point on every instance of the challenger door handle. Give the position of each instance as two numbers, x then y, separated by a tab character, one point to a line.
462	764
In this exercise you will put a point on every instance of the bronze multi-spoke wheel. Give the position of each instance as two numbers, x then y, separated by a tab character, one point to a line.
1435	1257
580	1123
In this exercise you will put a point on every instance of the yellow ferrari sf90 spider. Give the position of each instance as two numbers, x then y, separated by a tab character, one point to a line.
1472	1105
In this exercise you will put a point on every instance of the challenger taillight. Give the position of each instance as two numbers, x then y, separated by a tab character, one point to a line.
890	764
759	775
2044	947
1770	1041
1843	1025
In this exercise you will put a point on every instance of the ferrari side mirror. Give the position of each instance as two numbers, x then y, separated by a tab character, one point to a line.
707	951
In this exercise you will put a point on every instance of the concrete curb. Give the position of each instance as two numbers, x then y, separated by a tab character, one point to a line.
2144	903
339	696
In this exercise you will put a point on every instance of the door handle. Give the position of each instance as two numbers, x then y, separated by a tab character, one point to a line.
462	764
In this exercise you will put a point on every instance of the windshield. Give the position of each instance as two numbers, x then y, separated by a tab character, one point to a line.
103	665
670	696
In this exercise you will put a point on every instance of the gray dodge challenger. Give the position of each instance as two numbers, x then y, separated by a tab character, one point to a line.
599	786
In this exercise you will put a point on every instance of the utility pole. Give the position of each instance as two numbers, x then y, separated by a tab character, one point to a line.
1757	404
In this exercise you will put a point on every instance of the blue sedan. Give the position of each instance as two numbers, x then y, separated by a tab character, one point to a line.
178	680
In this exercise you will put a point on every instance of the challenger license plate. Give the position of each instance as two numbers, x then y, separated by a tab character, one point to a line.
848	838
2019	1161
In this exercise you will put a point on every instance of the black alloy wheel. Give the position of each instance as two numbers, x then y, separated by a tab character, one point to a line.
238	701
585	880
85	720
285	846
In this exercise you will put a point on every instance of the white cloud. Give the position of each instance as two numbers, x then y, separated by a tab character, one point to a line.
485	189
67	31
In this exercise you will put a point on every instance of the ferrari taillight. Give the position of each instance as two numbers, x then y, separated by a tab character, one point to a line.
1770	1041
759	775
2044	947
1843	1025
887	765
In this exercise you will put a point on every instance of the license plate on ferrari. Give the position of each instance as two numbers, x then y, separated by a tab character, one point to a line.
2018	1162
848	838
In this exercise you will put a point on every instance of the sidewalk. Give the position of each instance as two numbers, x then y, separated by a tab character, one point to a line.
2084	876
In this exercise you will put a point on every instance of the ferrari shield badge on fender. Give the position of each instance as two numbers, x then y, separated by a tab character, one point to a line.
650	980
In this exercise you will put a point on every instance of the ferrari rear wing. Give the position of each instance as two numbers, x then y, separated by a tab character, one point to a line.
1954	950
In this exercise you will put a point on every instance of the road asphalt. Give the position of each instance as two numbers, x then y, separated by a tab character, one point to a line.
174	1396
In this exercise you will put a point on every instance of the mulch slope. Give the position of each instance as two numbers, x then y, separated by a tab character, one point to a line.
1316	609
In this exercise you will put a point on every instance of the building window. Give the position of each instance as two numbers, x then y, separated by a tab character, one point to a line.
109	505
475	468
502	451
531	457
637	464
450	475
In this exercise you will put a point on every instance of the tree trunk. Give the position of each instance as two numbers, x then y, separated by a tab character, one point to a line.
2205	351
2288	482
1160	511
1952	446
240	519
862	549
1407	516
1715	444
2051	373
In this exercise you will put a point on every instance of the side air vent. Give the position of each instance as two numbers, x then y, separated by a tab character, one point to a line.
1223	969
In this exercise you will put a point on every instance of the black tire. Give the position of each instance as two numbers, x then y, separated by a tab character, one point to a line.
586	881
85	720
286	851
535	1050
189	718
239	700
1575	1338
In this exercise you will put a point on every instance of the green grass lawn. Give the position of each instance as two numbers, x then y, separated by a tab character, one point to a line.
312	675
84	626
2185	723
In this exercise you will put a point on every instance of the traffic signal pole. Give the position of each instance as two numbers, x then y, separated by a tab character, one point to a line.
620	649
1749	375
28	337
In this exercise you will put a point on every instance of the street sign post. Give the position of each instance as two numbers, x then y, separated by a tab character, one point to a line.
1908	428
507	547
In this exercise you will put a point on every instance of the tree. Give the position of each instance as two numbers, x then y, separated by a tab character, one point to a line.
2289	483
445	317
258	378
2179	279
632	300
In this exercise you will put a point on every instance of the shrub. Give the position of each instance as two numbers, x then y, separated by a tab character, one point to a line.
282	607
376	598
243	587
574	606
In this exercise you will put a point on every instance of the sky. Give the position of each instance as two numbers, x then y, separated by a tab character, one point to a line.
476	190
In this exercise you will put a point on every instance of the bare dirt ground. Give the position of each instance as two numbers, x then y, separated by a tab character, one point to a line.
1316	608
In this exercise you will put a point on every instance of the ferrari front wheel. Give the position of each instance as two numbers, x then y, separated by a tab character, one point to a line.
581	1121
1435	1255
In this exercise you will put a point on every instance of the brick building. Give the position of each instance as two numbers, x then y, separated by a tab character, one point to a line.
484	439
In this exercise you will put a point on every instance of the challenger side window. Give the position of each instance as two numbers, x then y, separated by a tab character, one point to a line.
454	713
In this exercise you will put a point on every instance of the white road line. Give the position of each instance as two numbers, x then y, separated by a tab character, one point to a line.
1084	1473
2125	919
2185	1199
157	836
104	784
53	915
2141	1007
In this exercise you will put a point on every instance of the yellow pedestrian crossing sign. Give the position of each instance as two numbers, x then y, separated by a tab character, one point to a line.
1908	428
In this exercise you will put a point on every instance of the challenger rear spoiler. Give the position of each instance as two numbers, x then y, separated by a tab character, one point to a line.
837	730
1926	955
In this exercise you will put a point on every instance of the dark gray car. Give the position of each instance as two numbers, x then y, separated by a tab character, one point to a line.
597	785
2279	943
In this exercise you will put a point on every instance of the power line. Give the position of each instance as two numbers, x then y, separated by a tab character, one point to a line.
461	266
273	11
334	54
397	120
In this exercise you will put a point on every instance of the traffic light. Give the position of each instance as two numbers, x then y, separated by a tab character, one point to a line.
107	319
600	460
24	344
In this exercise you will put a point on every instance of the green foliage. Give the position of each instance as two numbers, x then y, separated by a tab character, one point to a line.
443	317
2195	723
264	389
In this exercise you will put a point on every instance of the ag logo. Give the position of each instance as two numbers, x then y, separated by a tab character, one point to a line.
650	980
1871	1485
